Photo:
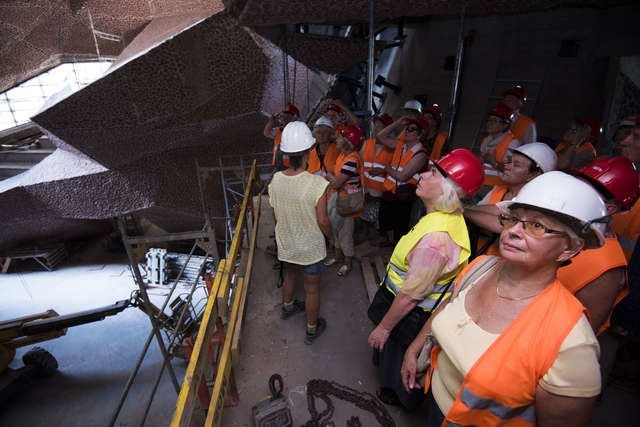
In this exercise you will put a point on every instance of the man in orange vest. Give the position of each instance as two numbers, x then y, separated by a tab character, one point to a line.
523	127
435	141
576	148
273	130
375	156
626	317
526	162
494	149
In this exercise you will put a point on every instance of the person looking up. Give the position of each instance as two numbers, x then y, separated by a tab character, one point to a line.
273	130
575	149
522	127
494	149
436	141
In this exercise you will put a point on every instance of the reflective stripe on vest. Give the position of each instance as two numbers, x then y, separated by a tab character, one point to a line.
472	401
427	304
401	159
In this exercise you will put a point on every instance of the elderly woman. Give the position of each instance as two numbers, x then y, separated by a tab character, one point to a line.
421	268
346	181
514	347
300	207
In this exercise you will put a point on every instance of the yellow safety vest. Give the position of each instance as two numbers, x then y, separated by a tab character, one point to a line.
451	223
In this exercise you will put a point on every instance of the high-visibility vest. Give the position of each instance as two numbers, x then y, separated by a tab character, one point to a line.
399	162
451	223
520	126
585	147
626	225
500	388
496	196
372	160
438	145
492	174
317	167
346	187
590	264
276	147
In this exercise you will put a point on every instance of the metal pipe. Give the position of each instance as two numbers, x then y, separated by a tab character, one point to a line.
453	102
370	68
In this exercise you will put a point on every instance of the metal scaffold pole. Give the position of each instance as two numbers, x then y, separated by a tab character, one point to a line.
370	67
455	87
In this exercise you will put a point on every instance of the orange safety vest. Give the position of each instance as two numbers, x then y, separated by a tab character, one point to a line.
590	264
276	146
350	188
520	126
582	148
372	160
491	173
438	145
400	158
626	225
317	167
500	388
496	196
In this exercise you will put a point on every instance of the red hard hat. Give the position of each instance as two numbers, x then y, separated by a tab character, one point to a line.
354	135
617	176
335	107
517	91
384	118
419	121
435	111
291	109
463	168
503	111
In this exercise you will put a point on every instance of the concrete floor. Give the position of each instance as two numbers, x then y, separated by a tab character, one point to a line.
96	359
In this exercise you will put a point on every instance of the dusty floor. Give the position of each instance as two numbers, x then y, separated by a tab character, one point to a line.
96	359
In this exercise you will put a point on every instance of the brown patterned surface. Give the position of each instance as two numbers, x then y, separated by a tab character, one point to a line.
272	12
38	34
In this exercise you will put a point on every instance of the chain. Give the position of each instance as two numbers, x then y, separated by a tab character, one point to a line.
322	389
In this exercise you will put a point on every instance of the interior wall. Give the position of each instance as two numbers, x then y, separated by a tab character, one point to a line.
502	50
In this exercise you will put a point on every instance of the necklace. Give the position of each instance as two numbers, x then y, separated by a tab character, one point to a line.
514	298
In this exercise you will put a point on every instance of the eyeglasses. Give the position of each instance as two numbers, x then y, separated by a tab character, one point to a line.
532	228
412	129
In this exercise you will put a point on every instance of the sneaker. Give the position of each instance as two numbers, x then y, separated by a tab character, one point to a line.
297	307
320	327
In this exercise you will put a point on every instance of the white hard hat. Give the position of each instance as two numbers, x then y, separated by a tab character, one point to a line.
558	192
412	104
296	137
324	121
540	154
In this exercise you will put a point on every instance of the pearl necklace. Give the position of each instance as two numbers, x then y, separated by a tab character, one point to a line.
514	298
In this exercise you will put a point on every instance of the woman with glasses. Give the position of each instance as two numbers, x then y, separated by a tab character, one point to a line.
512	346
421	268
409	159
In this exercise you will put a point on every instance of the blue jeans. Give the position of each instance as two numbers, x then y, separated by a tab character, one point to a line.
311	269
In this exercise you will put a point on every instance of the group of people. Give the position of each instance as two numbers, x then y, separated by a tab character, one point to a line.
491	308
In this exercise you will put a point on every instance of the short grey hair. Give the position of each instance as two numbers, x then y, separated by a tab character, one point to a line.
450	202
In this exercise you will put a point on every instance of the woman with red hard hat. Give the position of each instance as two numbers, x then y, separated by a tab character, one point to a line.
346	181
421	268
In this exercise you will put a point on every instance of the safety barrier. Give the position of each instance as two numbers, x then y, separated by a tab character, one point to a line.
194	385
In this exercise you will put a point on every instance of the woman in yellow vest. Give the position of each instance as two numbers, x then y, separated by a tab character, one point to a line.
512	346
422	265
346	179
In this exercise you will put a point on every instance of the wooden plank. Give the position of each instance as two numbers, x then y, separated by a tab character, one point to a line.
200	357
370	283
381	267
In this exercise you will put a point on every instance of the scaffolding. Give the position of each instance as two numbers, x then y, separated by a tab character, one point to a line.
191	324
